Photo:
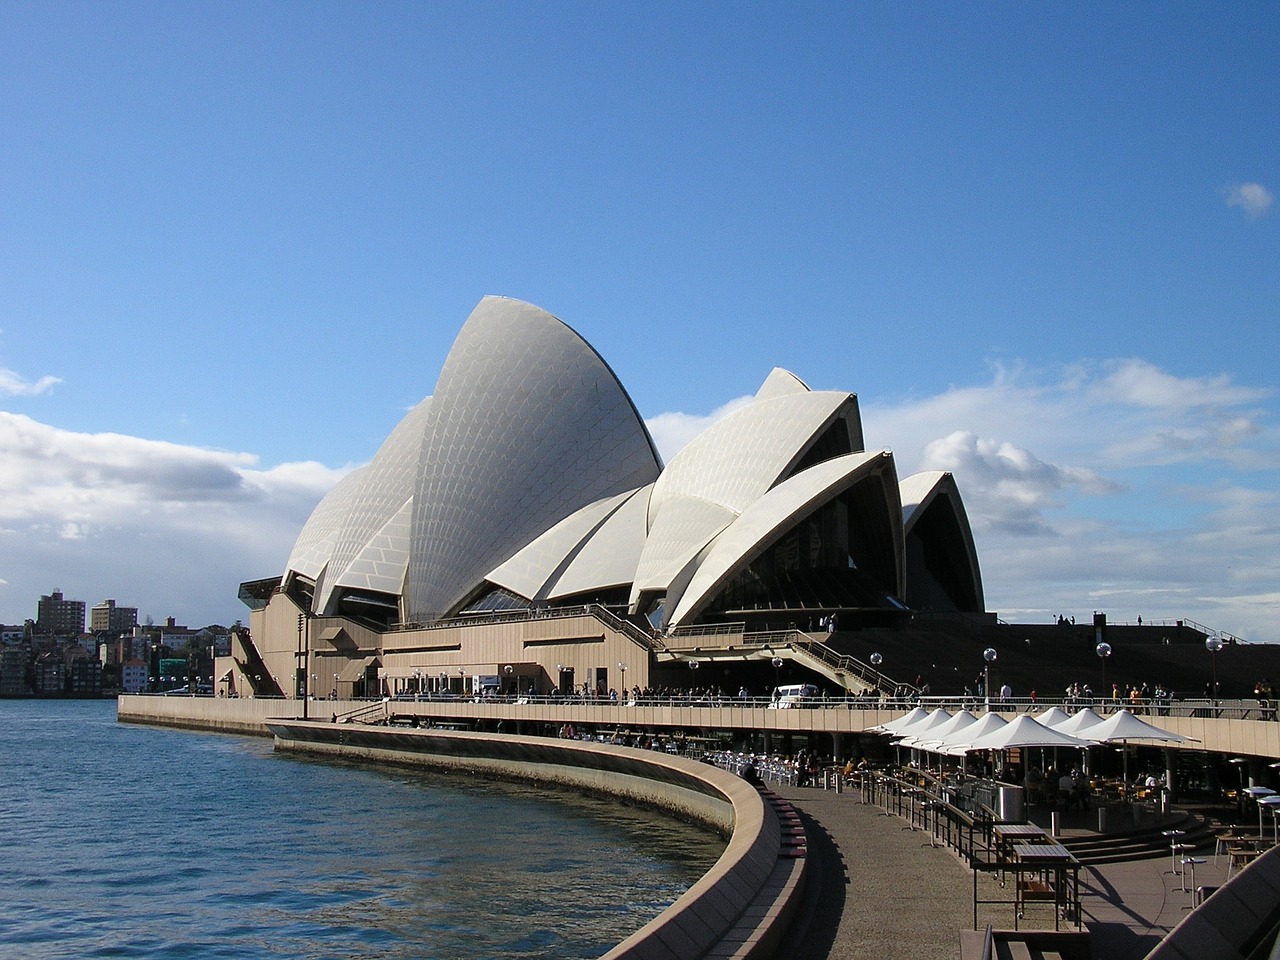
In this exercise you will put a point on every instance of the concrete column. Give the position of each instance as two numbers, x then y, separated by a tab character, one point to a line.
1171	773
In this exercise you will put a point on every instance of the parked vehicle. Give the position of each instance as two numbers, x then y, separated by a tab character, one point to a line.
794	695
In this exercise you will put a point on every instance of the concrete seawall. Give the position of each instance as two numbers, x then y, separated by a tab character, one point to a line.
738	909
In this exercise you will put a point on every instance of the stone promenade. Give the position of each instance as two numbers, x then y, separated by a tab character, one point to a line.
884	893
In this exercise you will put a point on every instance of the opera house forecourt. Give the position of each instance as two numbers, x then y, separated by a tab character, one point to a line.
517	533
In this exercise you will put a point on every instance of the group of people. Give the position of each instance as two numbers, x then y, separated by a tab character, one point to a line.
807	768
1073	789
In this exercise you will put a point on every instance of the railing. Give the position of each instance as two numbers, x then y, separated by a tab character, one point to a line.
1243	709
794	641
523	615
707	630
362	714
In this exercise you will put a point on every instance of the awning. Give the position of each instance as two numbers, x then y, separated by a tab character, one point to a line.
354	670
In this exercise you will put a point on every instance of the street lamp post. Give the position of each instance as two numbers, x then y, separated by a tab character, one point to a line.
1103	650
876	659
1213	645
623	668
304	643
693	673
509	670
777	667
989	657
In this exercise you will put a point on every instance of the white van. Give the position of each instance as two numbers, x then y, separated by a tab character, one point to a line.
794	695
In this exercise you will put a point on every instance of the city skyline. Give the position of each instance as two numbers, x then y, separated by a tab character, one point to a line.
1040	245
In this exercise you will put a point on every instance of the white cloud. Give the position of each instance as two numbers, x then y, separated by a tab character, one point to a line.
1010	488
167	528
14	385
1253	198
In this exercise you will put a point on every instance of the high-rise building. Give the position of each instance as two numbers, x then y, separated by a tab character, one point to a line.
106	617
58	617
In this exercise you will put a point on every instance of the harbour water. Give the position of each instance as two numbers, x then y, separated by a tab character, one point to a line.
125	841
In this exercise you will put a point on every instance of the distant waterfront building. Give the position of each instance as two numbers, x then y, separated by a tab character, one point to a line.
518	531
133	676
49	676
59	617
106	617
84	677
13	671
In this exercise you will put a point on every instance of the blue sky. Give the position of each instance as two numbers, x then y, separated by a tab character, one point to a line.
1038	241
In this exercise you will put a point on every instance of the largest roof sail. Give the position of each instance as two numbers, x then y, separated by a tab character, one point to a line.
527	425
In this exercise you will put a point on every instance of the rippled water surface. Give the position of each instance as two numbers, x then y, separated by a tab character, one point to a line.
125	841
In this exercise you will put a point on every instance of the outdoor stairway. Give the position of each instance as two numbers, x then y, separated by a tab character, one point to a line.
1144	844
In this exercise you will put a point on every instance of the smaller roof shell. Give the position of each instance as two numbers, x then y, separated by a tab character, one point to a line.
774	513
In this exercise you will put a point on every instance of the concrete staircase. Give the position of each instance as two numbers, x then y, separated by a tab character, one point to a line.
1198	833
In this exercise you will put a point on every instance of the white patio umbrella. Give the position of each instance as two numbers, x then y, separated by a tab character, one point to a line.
927	740
935	718
1121	727
892	726
955	744
1080	720
1052	717
1025	731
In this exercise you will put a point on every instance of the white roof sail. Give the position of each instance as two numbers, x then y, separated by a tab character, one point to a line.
610	555
773	514
779	383
528	425
682	530
382	564
359	507
735	460
528	571
530	468
951	539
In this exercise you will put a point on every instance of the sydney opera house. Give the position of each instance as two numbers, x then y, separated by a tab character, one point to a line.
518	532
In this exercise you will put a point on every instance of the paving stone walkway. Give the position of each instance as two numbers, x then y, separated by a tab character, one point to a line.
884	892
